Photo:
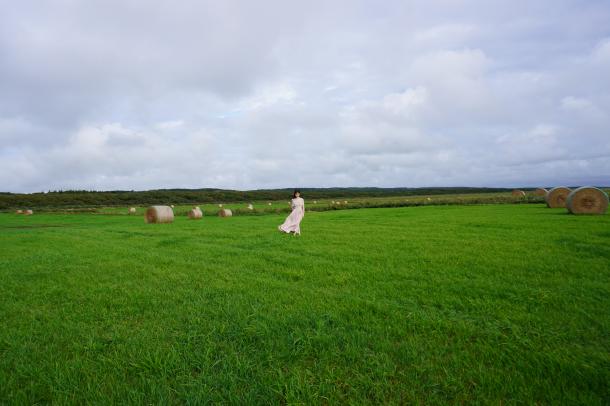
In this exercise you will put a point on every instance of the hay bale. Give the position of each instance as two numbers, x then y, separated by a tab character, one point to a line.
220	205
250	207
132	210
540	192
195	213
332	202
19	211
345	202
557	197
315	202
269	203
159	214
28	212
587	200
518	193
225	213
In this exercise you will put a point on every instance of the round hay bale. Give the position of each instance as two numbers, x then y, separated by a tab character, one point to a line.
220	205
195	213
28	212
587	200
345	202
132	210
540	192
225	213
556	197
159	214
269	203
19	211
250	207
518	193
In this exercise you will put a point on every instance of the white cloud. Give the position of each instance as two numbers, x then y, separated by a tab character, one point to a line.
105	95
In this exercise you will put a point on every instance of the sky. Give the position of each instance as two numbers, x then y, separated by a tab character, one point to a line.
137	95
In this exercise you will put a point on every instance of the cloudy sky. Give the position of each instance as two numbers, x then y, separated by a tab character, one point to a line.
116	94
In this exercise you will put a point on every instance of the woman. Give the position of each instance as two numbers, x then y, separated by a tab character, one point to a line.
293	221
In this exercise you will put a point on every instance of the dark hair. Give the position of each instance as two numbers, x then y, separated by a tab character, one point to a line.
294	194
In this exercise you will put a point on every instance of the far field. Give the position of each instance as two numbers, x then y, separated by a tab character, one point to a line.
311	204
433	304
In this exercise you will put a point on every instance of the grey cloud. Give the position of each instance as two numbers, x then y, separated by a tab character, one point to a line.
136	95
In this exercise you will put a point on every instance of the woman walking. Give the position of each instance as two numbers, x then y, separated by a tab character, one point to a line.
293	221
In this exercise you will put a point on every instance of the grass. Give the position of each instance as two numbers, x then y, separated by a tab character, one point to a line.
437	304
337	203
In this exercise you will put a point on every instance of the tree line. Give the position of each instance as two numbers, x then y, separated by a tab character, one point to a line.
84	198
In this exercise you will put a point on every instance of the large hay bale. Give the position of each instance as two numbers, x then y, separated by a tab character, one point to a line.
19	211
132	210
540	192
159	214
195	213
556	197
587	200
28	212
225	213
518	193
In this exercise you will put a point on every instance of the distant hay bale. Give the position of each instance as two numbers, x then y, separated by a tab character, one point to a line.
220	205
587	200
315	202
19	211
195	213
28	212
518	193
332	202
132	210
250	207
269	203
556	197
225	213
540	192
345	202
159	214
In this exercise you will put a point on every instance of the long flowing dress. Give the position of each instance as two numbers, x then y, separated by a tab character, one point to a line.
293	221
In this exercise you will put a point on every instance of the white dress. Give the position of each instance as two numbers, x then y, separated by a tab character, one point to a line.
293	221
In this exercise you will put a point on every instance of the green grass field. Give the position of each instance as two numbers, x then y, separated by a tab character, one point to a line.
437	304
336	203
